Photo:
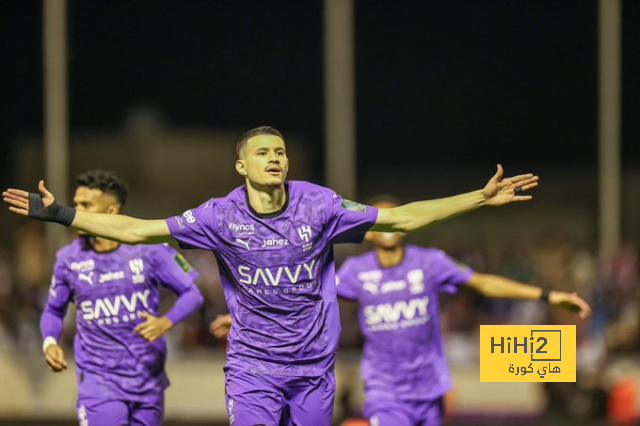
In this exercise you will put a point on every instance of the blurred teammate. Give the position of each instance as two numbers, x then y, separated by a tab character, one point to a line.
273	242
119	349
396	286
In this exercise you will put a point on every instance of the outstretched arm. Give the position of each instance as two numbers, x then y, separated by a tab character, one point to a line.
414	216
121	228
500	287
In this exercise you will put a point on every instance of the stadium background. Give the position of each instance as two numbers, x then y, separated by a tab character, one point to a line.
443	90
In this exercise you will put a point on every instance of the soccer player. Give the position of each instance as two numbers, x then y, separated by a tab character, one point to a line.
273	242
119	348
396	287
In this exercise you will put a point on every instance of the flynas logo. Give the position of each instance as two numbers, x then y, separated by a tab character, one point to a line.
401	314
83	266
115	308
242	228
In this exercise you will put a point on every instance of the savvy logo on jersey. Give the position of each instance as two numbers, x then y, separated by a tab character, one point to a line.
272	276
111	306
401	314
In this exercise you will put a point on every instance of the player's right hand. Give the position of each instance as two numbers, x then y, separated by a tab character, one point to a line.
18	200
220	326
55	358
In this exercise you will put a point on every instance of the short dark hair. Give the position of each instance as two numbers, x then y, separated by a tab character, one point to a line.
262	130
106	181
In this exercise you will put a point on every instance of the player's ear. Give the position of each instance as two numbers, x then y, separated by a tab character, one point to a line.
114	209
241	167
368	236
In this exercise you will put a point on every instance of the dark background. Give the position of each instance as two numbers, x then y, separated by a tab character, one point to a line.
455	82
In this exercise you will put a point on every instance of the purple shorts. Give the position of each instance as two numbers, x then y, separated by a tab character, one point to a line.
404	413
261	399
95	411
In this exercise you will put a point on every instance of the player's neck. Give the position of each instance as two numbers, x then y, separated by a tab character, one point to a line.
388	257
266	199
101	245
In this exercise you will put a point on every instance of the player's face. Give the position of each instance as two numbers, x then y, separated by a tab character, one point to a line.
385	240
95	201
264	161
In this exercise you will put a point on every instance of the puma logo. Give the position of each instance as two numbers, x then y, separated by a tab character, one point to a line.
245	243
86	277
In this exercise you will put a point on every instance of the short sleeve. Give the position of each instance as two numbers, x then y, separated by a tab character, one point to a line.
171	269
347	280
194	229
60	294
349	221
447	273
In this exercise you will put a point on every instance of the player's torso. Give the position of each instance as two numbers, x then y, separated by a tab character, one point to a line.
399	317
274	258
397	303
110	288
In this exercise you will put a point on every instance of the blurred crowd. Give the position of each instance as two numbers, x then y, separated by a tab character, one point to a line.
607	344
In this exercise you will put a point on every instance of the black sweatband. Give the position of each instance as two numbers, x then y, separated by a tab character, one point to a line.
54	213
545	295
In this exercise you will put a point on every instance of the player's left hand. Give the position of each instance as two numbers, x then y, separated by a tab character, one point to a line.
221	326
152	327
499	190
570	301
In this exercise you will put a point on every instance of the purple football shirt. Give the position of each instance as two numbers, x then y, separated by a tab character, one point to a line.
399	317
278	274
108	289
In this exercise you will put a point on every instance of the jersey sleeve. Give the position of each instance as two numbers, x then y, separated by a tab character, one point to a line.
447	273
349	221
172	270
347	280
195	228
60	294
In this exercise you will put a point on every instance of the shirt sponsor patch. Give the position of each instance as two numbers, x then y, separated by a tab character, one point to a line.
353	206
182	262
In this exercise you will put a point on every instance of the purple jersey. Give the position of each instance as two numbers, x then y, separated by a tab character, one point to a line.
108	289
399	318
278	274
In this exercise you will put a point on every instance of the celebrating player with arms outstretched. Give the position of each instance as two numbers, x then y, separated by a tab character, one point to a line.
119	356
273	242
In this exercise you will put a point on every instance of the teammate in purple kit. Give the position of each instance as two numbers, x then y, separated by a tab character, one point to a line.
396	287
273	241
119	349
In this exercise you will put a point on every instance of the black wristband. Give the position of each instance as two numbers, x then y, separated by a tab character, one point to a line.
54	213
545	295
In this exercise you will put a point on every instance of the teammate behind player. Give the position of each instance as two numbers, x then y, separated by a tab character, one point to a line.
273	241
396	287
119	349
